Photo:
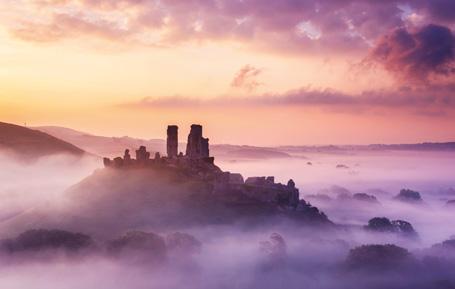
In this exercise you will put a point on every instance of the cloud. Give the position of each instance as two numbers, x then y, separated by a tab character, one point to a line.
328	27
432	100
417	55
304	26
165	102
246	78
63	25
438	10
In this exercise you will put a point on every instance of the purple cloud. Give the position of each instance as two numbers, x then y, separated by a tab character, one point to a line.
329	27
417	55
270	24
437	10
339	21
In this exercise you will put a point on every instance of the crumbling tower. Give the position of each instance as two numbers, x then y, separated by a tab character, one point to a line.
172	141
197	146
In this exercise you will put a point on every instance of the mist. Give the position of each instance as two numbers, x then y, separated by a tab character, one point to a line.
41	182
272	255
381	174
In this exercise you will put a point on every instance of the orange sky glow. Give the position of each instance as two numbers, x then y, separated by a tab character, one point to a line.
132	67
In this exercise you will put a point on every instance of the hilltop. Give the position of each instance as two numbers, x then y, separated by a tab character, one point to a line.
29	144
171	192
100	145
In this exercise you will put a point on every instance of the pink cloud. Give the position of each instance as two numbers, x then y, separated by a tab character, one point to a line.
246	78
328	27
432	100
271	24
62	25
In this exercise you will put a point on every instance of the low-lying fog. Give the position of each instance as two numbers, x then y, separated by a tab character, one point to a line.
382	174
25	185
233	257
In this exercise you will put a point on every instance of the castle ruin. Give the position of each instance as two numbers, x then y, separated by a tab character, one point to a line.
197	163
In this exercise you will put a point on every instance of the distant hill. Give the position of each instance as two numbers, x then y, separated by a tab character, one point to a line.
102	145
426	146
247	152
115	146
31	144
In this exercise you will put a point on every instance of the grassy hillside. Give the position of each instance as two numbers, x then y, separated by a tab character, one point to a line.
32	144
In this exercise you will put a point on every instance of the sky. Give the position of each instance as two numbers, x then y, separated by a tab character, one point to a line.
259	72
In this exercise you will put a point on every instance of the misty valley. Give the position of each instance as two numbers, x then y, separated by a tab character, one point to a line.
218	216
227	144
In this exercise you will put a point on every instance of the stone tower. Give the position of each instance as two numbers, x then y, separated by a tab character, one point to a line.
197	146
172	141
